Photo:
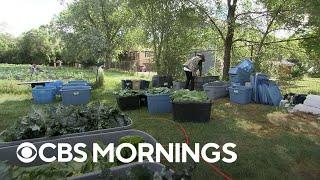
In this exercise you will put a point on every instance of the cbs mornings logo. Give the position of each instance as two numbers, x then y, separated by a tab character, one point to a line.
175	152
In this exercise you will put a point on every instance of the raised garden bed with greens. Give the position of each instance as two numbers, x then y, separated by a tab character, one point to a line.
38	169
159	100
193	106
128	99
137	170
65	121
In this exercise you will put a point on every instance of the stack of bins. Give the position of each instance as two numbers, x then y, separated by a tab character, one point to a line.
43	94
76	93
240	74
162	81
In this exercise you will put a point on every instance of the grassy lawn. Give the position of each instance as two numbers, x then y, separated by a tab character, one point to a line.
270	142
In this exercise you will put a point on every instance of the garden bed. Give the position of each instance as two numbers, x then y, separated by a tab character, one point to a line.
65	122
191	106
9	155
126	170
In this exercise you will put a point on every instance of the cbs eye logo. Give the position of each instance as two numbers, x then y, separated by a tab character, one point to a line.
26	152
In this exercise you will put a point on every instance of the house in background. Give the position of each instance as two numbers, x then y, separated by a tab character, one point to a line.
136	60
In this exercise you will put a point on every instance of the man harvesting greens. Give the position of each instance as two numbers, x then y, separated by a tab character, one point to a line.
191	67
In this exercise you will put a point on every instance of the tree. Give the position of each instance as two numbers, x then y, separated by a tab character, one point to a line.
93	30
173	30
37	46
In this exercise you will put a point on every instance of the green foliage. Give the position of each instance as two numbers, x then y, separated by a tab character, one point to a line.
128	93
186	95
61	120
159	91
92	31
134	140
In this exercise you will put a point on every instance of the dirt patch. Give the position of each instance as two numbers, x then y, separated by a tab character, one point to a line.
296	122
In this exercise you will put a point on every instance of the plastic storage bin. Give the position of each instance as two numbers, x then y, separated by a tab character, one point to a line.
57	84
144	84
191	112
240	94
43	95
126	84
78	82
216	90
136	84
178	85
200	81
128	103
162	81
75	95
159	103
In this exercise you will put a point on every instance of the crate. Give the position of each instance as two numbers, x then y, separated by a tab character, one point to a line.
43	95
162	81
240	94
159	103
144	84
200	81
178	85
75	95
128	103
126	84
136	84
216	90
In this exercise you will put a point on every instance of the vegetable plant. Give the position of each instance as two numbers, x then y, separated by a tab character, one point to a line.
159	91
128	93
54	121
186	95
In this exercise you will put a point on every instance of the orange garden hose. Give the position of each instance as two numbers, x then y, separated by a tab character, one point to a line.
187	141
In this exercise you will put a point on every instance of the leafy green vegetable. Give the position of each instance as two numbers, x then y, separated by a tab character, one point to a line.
128	92
134	140
65	120
159	91
185	95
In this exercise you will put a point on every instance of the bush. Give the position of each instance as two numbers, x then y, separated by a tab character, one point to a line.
297	72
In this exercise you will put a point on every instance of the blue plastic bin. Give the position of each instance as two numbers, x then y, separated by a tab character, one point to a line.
75	95
43	95
240	94
57	84
159	103
78	81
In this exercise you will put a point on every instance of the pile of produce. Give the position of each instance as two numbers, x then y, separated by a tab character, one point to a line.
159	91
128	93
189	96
62	120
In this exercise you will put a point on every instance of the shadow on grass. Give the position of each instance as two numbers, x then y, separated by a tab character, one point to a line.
264	151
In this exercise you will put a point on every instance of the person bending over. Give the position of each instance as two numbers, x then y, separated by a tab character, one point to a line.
191	67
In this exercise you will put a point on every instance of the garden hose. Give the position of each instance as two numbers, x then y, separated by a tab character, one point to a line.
187	141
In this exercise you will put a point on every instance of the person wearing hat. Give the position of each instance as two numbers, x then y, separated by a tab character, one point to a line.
191	67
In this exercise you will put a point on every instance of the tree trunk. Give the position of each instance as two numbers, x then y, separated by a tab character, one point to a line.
229	37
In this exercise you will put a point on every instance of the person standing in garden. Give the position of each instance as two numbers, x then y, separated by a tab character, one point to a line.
191	67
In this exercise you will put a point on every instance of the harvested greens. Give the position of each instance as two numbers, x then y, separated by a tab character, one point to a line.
159	91
62	120
128	93
189	96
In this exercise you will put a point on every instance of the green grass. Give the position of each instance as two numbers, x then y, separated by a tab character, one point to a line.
265	150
